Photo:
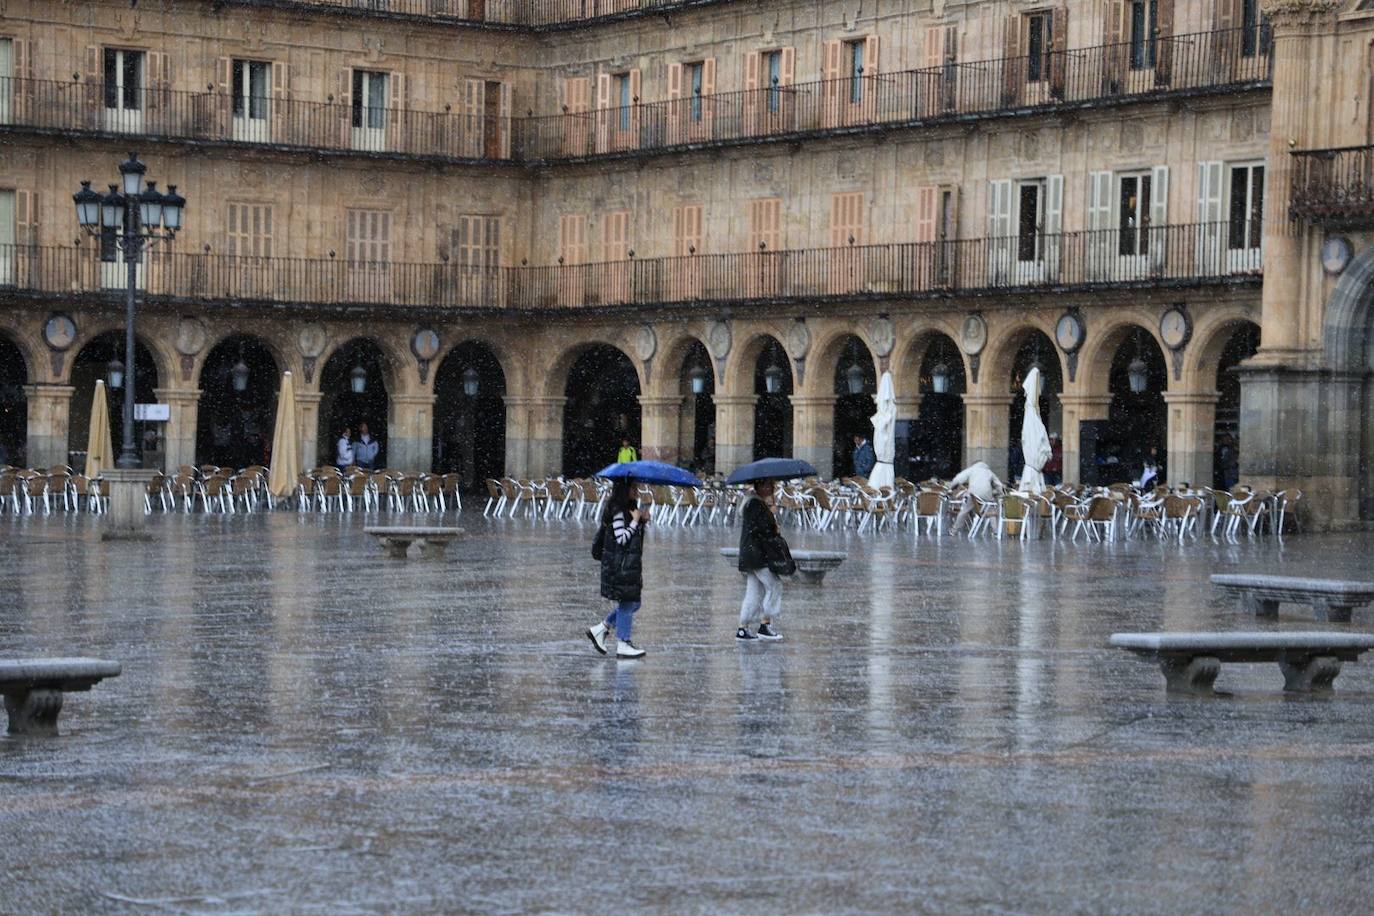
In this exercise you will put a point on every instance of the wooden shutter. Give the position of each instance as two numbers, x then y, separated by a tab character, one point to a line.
397	119
1000	239
1115	53
93	77
1054	223
635	95
675	81
787	67
753	67
615	243
343	98
574	97
604	114
927	198
504	113
26	217
1013	65
834	90
677	109
687	230
1209	215
934	50
250	230
708	92
1159	214
1101	238
847	219
1164	35
281	101
21	88
1059	50
473	103
754	101
572	238
158	80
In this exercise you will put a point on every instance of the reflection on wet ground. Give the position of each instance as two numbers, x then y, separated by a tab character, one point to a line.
303	724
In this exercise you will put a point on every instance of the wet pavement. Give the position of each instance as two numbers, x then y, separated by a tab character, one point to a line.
305	725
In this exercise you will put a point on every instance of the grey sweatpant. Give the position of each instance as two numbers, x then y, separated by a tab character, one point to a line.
762	597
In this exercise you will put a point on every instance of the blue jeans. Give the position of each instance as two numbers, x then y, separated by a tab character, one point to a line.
622	619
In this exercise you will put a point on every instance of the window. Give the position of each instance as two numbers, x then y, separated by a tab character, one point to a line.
477	241
369	99
1245	222
626	98
1133	214
772	64
1144	29
615	235
1039	40
847	222
250	230
854	53
687	230
572	239
694	73
123	80
250	89
765	224
1030	215
7	73
369	238
1252	28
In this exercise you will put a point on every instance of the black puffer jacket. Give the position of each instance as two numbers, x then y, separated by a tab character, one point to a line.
622	565
756	526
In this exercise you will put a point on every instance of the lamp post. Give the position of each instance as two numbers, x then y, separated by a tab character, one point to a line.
138	216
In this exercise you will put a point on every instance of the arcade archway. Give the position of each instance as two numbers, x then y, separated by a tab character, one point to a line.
353	386
238	403
94	362
773	404
937	438
602	408
1137	421
1036	350
1241	344
470	415
855	384
14	414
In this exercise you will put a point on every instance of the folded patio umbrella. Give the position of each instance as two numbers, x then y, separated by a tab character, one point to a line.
286	461
771	469
884	434
651	472
99	448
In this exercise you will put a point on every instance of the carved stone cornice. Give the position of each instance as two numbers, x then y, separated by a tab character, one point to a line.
1296	13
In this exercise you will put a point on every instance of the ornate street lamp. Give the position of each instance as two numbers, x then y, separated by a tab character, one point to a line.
358	379
697	376
772	378
1136	375
472	382
159	218
240	375
939	378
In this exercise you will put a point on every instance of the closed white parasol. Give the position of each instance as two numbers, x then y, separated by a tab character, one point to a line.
1035	442
884	434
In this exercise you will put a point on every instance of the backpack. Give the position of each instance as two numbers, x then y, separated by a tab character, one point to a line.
599	543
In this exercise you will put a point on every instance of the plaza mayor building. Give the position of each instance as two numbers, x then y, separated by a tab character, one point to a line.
508	233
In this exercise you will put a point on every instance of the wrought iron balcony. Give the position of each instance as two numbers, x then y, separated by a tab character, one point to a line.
1160	256
1334	187
1204	63
533	15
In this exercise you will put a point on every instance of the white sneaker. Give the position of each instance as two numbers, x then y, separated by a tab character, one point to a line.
626	649
597	635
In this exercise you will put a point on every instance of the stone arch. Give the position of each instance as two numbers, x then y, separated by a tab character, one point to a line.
1095	360
165	361
999	356
671	361
392	364
1346	320
87	364
1210	338
601	387
910	352
32	358
936	437
498	346
269	339
340	406
555	372
738	377
469	426
234	428
1348	344
825	355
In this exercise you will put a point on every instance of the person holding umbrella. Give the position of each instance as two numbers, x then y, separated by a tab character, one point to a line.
619	546
764	556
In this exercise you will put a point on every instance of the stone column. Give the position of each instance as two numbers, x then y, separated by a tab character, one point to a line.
1192	428
659	420
734	430
534	436
1077	408
813	432
126	489
179	437
49	408
308	427
410	431
986	421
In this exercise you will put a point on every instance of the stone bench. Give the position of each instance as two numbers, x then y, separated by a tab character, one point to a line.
33	689
812	564
396	539
1191	661
1331	599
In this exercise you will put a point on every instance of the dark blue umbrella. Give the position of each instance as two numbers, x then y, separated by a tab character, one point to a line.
771	469
650	472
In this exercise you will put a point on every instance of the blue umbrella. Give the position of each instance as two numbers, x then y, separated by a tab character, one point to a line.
771	469
650	472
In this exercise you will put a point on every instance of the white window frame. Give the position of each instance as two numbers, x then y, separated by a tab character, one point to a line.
6	78
1245	257
252	114
123	117
369	115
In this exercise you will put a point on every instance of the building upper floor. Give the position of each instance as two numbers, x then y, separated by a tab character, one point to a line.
733	74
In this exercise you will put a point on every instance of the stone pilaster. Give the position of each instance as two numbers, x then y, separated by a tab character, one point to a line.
308	426
410	431
534	436
49	409
986	421
179	436
659	421
734	430
813	431
1078	408
1192	428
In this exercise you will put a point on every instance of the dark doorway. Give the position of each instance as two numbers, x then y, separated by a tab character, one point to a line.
470	415
1243	344
238	404
856	382
1137	421
353	386
699	384
1036	350
773	407
93	362
14	411
602	408
937	442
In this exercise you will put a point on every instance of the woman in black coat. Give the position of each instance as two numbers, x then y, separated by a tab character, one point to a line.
762	587
622	568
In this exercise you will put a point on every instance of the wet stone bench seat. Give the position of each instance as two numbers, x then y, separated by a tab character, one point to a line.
1331	599
396	539
812	564
1191	661
33	688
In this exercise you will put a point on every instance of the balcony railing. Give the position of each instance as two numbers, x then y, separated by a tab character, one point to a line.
1177	255
1205	62
531	14
1334	186
1182	64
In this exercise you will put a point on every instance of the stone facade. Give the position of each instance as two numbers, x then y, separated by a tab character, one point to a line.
455	174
